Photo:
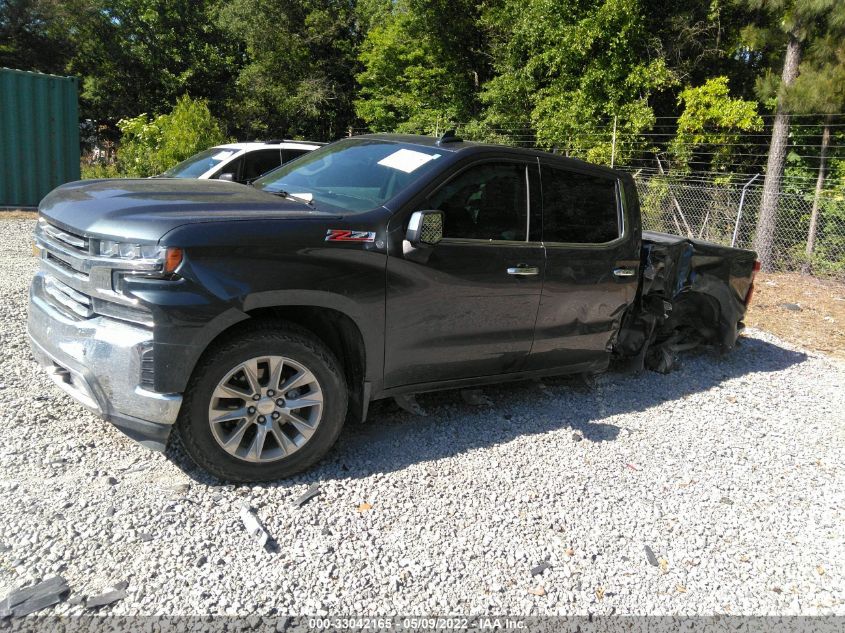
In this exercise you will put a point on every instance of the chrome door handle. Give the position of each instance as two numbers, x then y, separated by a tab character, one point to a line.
624	272
523	271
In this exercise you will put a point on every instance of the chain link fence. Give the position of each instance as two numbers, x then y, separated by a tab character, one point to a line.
727	214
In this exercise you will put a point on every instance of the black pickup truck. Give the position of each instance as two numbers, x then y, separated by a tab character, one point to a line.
257	319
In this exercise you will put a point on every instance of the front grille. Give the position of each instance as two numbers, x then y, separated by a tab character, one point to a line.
72	303
77	242
59	262
79	283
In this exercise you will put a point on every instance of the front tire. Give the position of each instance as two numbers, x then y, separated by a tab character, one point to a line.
263	405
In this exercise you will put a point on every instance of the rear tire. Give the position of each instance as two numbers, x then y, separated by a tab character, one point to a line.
237	426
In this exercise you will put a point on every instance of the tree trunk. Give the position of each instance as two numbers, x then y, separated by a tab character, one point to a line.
814	215
765	235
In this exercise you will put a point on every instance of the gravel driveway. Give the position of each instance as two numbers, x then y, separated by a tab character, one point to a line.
730	470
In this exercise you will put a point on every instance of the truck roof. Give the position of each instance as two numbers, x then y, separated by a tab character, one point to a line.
472	147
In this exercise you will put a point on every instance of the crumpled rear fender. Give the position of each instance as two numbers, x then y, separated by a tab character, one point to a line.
693	292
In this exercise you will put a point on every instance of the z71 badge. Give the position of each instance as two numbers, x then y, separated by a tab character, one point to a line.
345	235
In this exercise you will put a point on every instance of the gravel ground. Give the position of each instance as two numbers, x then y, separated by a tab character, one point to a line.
730	470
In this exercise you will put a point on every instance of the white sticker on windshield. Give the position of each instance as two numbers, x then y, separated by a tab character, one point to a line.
407	160
222	155
304	196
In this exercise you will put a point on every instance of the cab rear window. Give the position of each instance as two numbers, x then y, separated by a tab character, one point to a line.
579	208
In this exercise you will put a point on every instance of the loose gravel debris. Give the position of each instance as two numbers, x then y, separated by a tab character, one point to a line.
461	503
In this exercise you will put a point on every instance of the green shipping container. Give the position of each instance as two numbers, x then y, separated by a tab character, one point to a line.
39	135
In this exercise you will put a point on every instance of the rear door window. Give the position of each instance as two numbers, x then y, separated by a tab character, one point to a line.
290	154
579	208
259	163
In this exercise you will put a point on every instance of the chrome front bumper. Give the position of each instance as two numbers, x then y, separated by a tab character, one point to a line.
97	361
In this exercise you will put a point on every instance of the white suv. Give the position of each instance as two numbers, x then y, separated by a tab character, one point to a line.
240	162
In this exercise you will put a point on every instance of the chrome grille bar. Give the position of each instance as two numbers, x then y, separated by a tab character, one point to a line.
66	296
76	241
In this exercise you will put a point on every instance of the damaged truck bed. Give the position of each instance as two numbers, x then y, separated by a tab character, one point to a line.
254	320
692	293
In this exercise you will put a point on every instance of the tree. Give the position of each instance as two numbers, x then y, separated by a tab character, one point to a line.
298	66
820	89
33	37
150	147
569	68
423	63
141	55
795	22
711	118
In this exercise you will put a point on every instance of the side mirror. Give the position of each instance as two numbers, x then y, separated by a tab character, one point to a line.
228	177
425	228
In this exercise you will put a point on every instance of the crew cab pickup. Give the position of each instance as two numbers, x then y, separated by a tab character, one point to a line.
254	320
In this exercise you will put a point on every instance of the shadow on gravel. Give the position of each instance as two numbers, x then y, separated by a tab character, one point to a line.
393	439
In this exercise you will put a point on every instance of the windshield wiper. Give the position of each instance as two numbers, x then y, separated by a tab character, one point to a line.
285	194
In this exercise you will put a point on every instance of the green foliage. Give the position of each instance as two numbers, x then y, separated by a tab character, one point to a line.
712	120
421	65
141	55
772	23
97	170
820	86
149	147
299	66
32	36
569	68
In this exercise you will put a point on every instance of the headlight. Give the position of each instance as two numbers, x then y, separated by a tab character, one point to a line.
146	258
127	250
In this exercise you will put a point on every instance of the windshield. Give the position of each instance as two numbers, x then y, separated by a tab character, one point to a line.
353	175
198	164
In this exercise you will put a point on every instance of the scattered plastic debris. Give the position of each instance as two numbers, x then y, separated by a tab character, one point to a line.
254	527
179	488
28	600
475	397
109	596
650	557
313	491
409	403
136	468
539	569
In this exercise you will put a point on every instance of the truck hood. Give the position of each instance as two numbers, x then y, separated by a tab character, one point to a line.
146	209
